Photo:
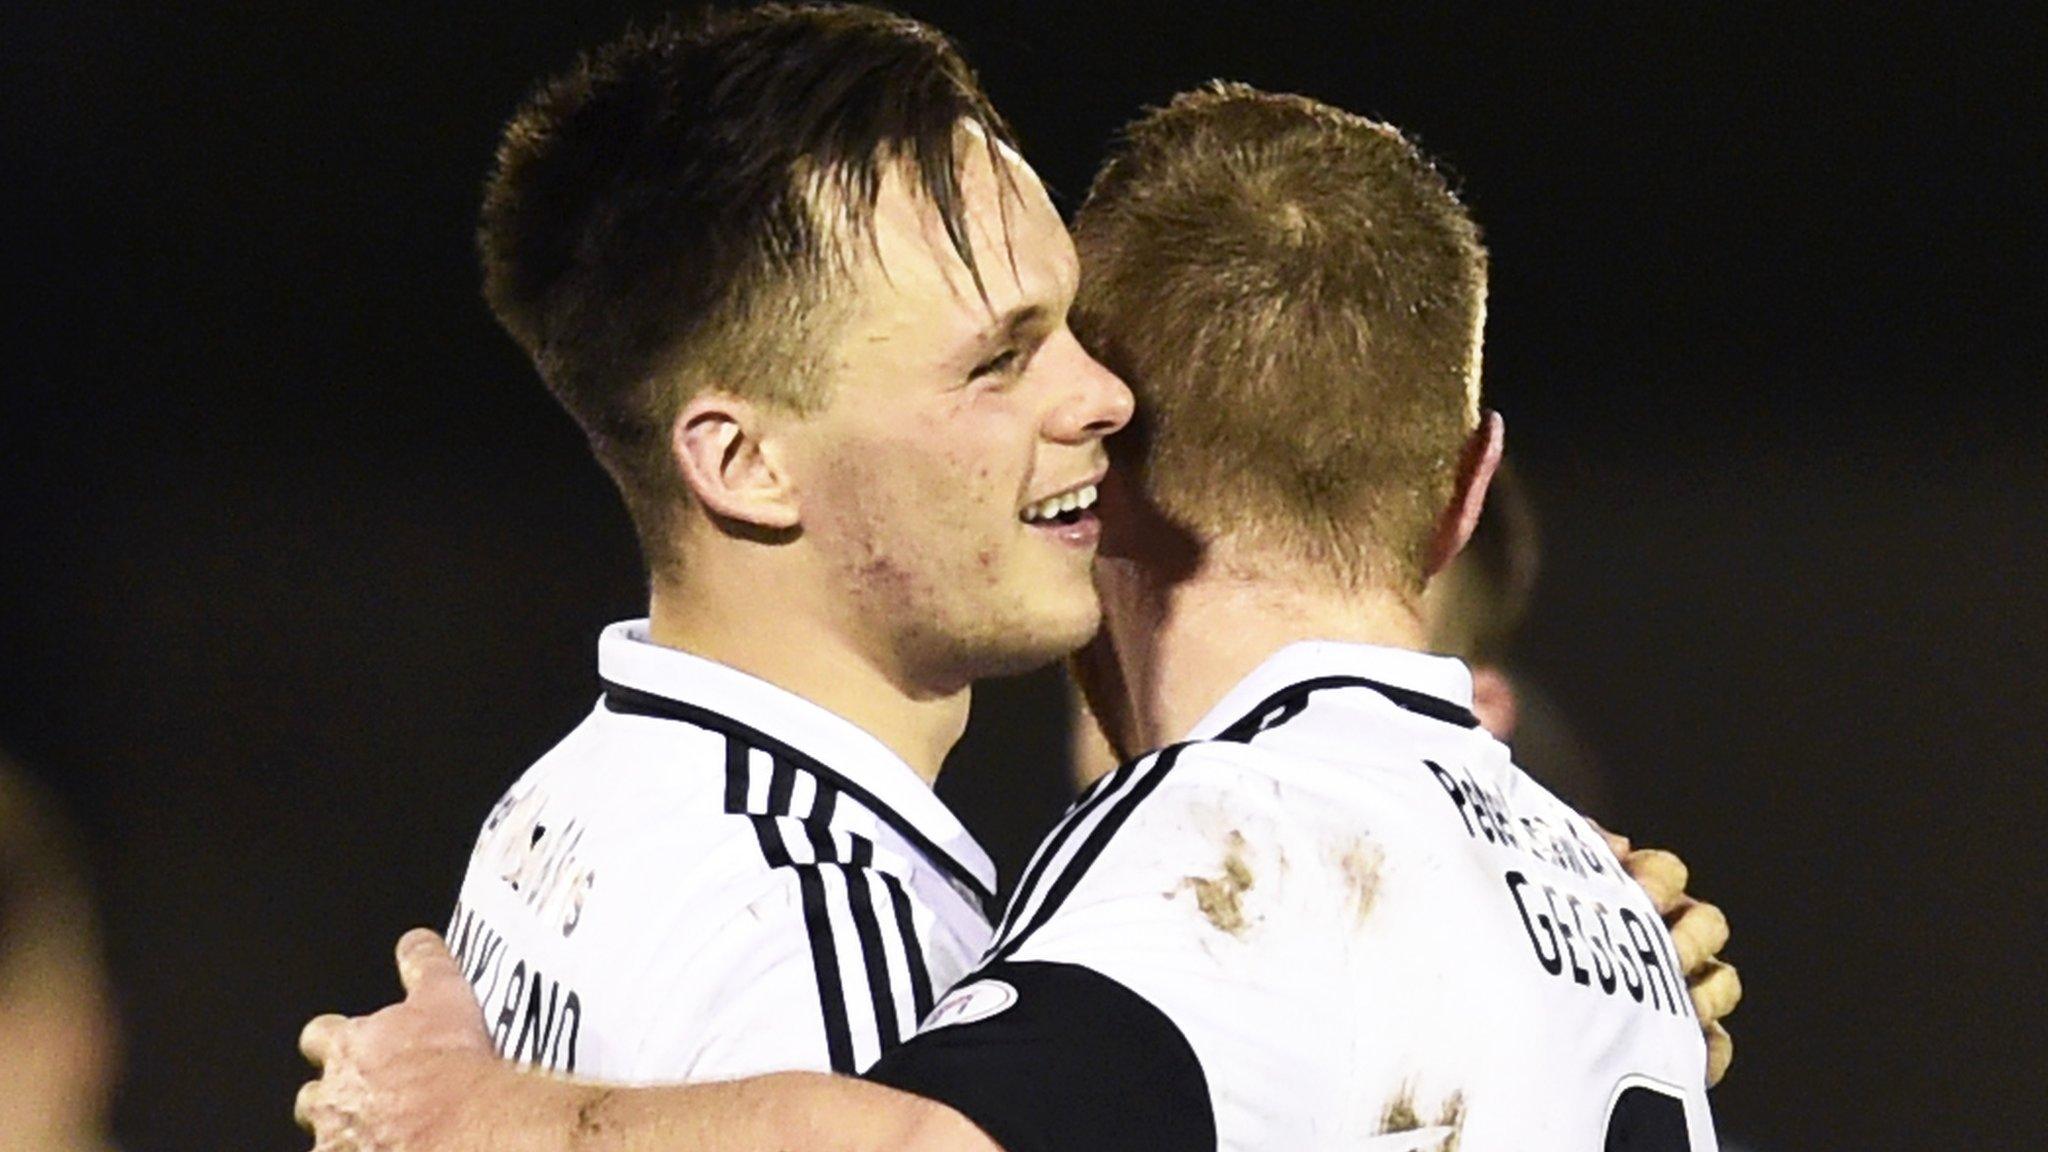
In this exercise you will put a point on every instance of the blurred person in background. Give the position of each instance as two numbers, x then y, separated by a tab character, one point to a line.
1474	611
59	1041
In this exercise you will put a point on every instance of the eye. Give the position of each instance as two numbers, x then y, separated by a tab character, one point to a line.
1001	362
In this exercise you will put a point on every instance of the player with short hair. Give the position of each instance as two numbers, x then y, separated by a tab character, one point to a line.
1331	904
1327	910
785	269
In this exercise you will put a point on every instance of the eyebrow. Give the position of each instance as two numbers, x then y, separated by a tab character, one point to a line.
1014	322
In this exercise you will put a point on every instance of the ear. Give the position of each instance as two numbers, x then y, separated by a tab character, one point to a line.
1476	466
721	444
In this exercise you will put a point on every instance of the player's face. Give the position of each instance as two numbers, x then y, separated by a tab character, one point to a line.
941	479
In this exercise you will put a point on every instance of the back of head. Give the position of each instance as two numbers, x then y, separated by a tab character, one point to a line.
1294	294
676	210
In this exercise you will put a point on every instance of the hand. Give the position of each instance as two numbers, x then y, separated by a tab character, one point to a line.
397	1081
1700	930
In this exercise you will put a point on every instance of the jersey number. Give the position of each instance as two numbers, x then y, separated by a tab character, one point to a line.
1644	1119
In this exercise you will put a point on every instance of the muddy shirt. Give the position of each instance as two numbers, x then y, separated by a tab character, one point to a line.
711	877
1338	917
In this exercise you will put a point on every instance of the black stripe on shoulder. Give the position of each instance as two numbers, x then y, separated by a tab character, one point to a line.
825	962
913	948
781	785
1077	814
738	775
735	776
634	702
1091	849
1292	700
768	831
860	898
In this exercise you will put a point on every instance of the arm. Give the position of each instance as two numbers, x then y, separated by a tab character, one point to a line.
420	1076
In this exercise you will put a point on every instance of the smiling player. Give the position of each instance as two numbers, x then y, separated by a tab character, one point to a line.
809	306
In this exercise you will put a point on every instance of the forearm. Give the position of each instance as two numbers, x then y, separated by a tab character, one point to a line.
785	1112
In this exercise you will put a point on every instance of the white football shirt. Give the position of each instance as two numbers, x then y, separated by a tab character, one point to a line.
711	877
1337	917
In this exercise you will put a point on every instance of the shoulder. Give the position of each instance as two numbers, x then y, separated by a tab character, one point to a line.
1207	844
1138	831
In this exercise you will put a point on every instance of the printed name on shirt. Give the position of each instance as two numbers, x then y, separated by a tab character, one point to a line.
1636	960
538	860
532	1019
1487	817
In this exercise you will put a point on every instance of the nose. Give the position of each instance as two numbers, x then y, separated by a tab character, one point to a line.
1095	402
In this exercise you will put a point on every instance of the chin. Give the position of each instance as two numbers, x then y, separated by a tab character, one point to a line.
1068	626
1032	641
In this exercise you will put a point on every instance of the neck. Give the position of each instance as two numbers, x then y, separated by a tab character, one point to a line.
1176	663
797	652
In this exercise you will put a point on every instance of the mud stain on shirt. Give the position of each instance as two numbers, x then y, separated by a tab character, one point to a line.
1358	871
1402	1115
1221	898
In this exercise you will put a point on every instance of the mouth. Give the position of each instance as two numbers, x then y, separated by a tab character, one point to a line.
1062	509
1066	518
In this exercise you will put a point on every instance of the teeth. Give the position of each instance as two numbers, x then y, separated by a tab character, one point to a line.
1051	506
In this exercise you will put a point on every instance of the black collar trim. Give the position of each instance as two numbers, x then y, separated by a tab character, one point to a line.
1292	700
635	702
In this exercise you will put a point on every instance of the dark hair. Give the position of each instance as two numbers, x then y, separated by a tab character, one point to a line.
1293	293
677	207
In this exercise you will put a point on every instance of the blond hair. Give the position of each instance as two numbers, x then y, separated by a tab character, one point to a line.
1294	293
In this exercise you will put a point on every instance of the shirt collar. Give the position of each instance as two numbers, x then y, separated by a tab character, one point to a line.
626	656
1440	677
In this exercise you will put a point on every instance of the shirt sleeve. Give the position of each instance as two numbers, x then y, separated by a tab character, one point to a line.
803	977
1044	1056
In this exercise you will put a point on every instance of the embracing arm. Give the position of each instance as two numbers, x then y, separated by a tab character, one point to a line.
420	1076
810	1111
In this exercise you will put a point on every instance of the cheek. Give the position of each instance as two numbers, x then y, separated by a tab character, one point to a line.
861	503
904	514
926	505
964	468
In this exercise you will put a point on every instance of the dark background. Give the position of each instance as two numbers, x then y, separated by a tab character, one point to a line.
301	566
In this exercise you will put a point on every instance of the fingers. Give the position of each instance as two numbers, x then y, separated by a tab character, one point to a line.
1715	991
422	957
439	1002
1720	1052
1700	931
303	1105
318	1039
1661	874
435	981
